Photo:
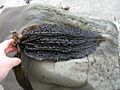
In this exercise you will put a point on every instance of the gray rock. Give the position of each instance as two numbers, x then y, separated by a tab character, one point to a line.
100	70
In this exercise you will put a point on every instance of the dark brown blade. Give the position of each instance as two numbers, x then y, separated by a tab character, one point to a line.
53	42
21	77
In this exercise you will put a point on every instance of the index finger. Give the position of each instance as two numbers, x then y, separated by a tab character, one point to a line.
4	45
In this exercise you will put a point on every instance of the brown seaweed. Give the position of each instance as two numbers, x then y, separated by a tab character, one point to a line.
57	43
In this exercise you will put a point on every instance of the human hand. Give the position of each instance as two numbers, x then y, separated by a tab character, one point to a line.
7	63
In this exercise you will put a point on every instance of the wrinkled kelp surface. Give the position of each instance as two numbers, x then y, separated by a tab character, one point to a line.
53	42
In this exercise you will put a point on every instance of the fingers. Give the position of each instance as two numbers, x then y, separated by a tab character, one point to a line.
7	63
5	44
11	49
6	47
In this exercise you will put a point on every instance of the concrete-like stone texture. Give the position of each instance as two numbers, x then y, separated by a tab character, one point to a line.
101	9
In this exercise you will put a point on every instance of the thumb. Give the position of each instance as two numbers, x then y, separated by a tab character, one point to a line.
12	62
6	65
